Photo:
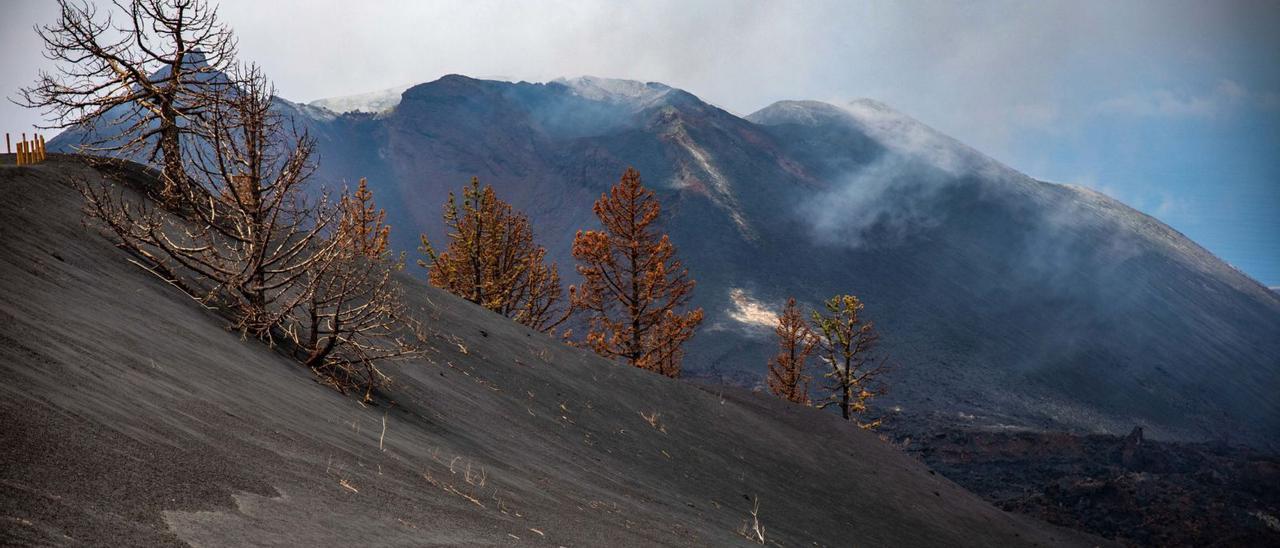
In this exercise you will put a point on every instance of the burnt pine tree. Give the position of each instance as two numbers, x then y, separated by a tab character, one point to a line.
492	260
309	275
155	62
787	378
846	343
353	316
634	288
247	234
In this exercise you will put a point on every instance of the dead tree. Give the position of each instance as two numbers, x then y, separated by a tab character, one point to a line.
787	378
242	235
150	63
354	316
250	179
846	343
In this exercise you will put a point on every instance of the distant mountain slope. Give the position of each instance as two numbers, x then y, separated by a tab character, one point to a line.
1011	300
373	102
132	417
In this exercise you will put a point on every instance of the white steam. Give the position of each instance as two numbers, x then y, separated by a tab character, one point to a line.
879	205
898	194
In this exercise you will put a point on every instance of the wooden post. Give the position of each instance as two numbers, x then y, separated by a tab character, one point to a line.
44	154
20	162
7	149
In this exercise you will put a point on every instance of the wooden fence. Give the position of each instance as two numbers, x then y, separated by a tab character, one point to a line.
29	151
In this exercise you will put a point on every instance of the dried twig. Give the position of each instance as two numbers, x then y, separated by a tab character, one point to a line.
384	432
184	291
654	420
347	485
752	530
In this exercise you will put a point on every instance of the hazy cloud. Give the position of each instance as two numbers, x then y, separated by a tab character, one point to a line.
981	72
1226	97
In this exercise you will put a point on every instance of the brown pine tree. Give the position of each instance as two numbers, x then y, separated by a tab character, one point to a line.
633	286
362	225
845	343
493	261
787	378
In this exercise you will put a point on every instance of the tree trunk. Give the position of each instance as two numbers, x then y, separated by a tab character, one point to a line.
171	148
844	401
318	355
477	275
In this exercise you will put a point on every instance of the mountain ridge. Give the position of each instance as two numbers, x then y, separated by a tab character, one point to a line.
1015	301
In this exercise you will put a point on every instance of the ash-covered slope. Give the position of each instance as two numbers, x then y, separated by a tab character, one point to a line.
132	417
1007	299
1096	311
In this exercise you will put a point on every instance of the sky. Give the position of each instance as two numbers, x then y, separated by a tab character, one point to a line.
1172	107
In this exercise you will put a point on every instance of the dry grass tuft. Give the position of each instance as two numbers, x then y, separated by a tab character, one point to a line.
474	480
655	420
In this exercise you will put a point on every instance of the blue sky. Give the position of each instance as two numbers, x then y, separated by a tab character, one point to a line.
1172	107
1212	174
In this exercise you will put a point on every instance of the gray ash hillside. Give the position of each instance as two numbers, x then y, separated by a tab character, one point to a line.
1017	302
133	417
